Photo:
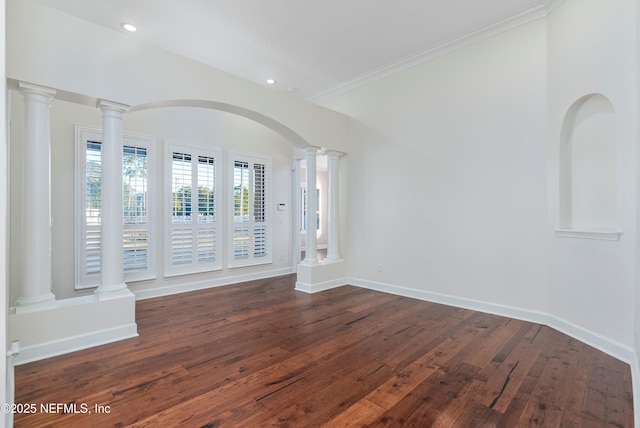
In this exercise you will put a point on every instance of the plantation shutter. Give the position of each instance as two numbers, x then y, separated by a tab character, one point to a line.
93	214
193	241
207	242
260	228
137	263
250	242
135	207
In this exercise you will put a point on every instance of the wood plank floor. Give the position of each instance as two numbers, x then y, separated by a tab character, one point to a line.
261	354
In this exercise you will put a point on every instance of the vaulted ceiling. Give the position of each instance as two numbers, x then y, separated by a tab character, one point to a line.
312	48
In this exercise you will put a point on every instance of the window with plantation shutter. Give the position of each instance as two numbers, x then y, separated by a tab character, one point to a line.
303	198
93	210
135	208
250	232
192	238
136	181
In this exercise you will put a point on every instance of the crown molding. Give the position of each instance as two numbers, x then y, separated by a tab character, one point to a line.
551	5
473	36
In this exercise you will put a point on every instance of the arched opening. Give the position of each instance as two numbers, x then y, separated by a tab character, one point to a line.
276	126
73	134
201	122
230	131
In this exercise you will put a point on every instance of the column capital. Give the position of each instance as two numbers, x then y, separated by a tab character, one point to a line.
110	107
310	149
41	93
333	154
30	87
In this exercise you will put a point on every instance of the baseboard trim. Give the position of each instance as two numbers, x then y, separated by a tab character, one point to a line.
321	286
54	348
615	349
150	293
611	347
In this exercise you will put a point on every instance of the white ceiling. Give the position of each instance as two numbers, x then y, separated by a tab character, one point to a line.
315	47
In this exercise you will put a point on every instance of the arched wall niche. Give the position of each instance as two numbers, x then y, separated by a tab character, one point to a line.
588	168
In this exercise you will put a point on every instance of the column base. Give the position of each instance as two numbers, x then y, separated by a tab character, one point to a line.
35	303
310	262
114	291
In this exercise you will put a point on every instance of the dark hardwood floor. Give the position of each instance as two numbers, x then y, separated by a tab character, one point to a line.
261	354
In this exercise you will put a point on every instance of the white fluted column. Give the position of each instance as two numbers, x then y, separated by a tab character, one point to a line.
35	291
311	247
333	239
111	255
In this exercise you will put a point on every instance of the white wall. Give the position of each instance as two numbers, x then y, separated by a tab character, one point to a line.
592	50
447	176
454	174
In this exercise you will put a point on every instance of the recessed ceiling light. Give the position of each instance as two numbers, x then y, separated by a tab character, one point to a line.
129	27
271	82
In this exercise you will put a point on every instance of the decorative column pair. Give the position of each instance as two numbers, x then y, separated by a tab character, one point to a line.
35	292
333	250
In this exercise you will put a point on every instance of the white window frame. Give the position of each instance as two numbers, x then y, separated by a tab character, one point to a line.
303	210
195	265
83	280
251	259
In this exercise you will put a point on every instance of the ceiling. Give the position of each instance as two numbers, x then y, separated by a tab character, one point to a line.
312	48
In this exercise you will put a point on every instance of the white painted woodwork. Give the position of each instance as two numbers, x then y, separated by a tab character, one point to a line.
333	218
112	272
311	248
35	289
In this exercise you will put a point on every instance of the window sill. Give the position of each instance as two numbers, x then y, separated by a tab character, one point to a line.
172	274
588	234
139	278
249	264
